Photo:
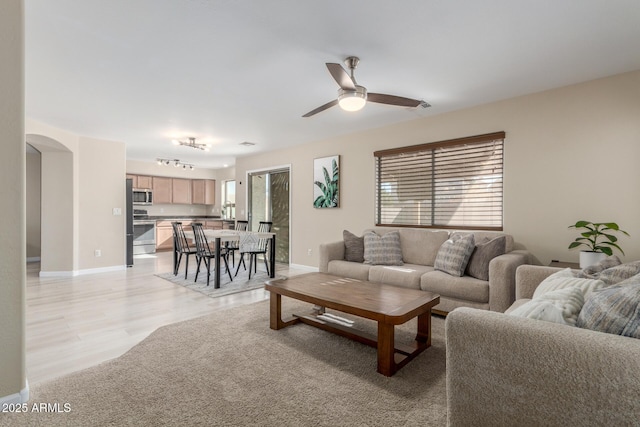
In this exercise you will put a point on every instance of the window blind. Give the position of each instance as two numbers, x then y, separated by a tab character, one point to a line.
447	184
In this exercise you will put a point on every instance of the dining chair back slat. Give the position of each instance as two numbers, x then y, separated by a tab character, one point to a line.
181	247
206	253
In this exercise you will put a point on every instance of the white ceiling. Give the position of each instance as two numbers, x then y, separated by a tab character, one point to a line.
229	71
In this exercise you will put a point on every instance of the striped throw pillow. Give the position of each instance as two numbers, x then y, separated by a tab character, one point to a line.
382	250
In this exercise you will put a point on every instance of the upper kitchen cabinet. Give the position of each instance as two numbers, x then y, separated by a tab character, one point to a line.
203	191
181	191
141	181
162	190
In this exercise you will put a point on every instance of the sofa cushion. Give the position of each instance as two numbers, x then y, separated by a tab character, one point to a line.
621	272
354	270
482	254
453	255
407	275
421	246
614	310
565	279
593	271
382	250
463	288
353	247
557	306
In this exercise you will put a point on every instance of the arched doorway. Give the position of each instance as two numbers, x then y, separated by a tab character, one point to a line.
56	206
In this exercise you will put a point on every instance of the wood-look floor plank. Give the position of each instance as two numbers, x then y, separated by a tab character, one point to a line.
73	323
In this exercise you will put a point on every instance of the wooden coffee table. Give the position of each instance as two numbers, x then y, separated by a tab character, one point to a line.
388	305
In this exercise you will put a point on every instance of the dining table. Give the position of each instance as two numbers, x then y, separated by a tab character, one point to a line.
222	236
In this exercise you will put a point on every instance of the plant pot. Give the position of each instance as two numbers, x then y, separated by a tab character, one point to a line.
588	258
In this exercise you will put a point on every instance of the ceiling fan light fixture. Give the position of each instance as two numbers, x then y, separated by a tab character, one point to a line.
352	100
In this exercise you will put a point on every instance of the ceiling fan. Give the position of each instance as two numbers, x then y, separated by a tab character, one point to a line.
352	96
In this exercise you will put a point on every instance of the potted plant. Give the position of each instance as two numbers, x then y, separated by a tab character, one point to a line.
598	239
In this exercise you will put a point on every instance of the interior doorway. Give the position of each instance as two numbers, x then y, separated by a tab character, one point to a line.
269	201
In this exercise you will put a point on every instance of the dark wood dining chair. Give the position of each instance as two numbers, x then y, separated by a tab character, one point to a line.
182	247
206	253
233	246
261	246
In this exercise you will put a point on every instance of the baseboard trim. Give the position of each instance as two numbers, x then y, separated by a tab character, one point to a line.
16	398
304	267
73	273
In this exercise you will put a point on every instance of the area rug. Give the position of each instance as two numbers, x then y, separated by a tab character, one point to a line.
240	283
230	369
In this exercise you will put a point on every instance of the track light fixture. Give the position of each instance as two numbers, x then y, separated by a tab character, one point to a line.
192	143
176	163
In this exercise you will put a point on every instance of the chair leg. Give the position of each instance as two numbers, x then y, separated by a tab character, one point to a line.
175	272
226	264
186	266
198	268
207	262
266	264
241	261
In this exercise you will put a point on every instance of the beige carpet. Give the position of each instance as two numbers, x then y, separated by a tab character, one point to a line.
230	369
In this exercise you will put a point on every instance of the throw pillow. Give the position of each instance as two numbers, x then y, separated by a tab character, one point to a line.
382	250
614	310
558	306
353	247
565	279
617	274
454	254
484	252
593	271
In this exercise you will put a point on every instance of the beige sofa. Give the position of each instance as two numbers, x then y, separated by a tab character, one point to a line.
419	250
504	370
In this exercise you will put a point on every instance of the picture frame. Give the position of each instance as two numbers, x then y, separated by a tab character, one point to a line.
326	182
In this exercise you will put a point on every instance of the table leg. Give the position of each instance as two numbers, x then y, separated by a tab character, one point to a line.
216	283
275	313
272	257
386	349
424	329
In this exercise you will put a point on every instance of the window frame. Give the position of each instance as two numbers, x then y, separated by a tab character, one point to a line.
432	185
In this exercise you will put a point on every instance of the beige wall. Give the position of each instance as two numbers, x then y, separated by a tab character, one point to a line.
570	153
102	188
82	182
33	176
12	193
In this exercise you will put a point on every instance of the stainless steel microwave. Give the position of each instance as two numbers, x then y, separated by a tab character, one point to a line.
142	196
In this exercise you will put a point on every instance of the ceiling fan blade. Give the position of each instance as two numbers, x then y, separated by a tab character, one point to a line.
394	100
321	108
341	76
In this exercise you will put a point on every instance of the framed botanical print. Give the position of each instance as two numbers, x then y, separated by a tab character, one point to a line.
326	182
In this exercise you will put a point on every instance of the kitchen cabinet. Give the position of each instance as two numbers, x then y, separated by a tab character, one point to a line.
203	191
181	191
164	233
213	225
161	190
144	182
140	181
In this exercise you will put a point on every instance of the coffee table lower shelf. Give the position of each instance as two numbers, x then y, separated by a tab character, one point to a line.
391	356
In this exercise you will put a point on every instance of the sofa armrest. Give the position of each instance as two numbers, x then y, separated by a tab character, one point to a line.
504	370
329	252
528	277
502	279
